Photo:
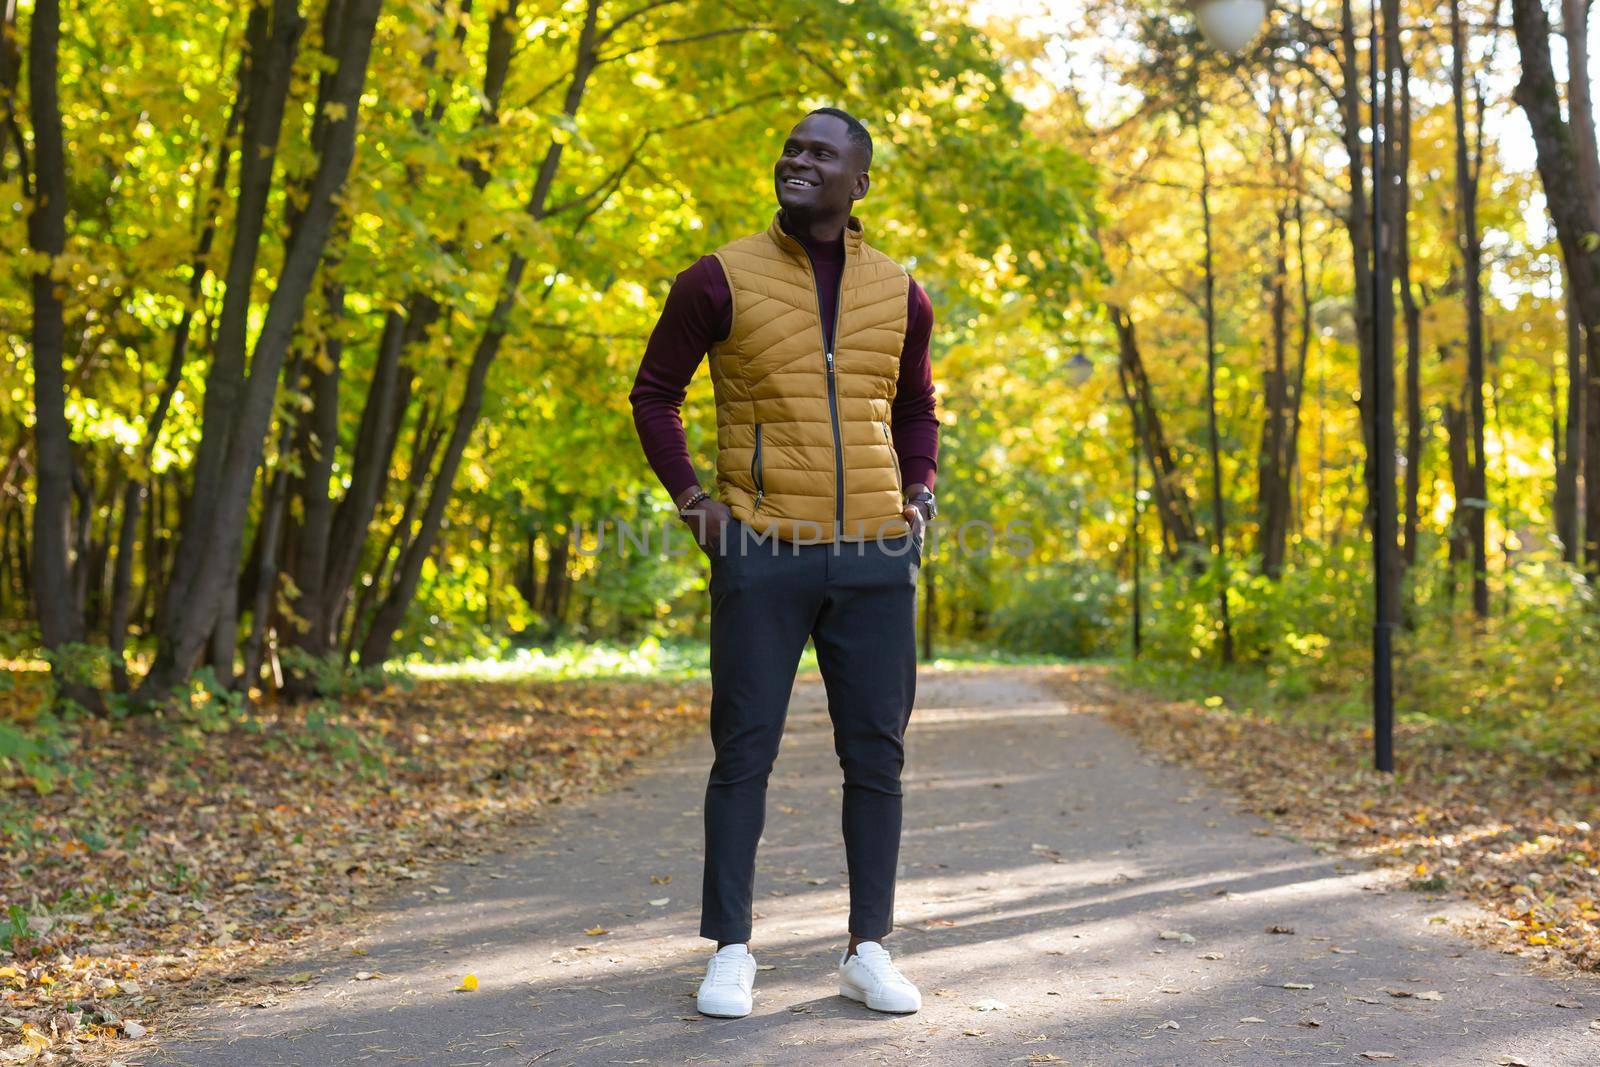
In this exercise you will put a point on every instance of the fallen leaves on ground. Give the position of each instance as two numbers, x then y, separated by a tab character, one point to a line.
1512	833
189	855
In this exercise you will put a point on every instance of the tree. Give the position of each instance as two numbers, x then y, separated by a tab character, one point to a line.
1570	449
1468	168
1219	515
60	613
300	341
239	414
1571	195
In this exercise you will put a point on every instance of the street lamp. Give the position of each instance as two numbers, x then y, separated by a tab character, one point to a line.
1080	368
1230	25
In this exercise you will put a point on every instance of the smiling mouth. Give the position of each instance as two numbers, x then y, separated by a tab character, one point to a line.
800	183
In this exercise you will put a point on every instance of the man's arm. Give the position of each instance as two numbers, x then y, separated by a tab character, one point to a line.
698	313
916	422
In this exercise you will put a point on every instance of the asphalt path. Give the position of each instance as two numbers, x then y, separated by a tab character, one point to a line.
1064	898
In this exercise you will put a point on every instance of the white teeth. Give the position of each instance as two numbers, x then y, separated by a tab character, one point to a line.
799	181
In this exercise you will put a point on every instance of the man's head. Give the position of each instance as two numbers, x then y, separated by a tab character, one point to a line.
822	169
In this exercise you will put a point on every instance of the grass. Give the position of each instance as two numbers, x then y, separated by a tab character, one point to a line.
567	661
1501	687
676	659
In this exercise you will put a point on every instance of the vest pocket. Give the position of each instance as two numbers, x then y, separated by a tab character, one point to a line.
755	469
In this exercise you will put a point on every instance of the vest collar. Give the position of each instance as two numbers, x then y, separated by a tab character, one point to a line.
854	234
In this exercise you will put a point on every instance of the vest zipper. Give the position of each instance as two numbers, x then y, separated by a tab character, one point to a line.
833	389
755	470
894	457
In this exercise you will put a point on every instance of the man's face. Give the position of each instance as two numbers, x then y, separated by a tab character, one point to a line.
819	172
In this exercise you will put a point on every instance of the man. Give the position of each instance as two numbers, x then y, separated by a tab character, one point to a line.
827	443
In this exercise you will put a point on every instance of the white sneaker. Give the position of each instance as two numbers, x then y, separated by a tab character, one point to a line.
730	979
871	978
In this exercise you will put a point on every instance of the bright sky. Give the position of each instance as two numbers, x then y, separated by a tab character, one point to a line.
1075	52
1063	21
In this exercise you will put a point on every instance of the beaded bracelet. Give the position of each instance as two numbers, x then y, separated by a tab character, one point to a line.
692	501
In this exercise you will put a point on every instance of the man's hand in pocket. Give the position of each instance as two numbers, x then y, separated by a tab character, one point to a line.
705	521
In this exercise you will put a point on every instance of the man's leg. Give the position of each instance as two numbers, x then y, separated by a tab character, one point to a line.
762	609
867	651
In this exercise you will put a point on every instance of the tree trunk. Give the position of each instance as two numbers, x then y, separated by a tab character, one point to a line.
391	613
1457	427
58	610
380	635
223	638
1173	506
186	626
10	75
138	489
1410	313
1304	358
20	580
81	550
266	579
1571	194
389	391
319	444
426	439
1356	218
272	44
1219	517
525	580
1577	479
557	583
388	395
1468	164
1568	439
1373	309
1282	390
1590	485
1272	475
1580	99
930	591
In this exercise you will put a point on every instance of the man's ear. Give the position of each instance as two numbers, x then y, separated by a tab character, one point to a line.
863	183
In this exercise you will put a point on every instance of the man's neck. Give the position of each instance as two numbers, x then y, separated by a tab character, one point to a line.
823	232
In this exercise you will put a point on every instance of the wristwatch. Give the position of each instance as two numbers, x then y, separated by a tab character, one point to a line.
925	497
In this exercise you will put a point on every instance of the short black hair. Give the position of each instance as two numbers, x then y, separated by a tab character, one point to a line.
858	133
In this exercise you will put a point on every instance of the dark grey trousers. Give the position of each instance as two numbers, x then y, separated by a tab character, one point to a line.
857	602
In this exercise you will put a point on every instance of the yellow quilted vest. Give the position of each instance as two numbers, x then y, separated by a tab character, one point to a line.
804	451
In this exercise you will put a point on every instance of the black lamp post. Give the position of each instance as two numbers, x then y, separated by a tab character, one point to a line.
1382	491
1230	25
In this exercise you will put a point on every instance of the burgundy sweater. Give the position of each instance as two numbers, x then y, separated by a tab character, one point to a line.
699	313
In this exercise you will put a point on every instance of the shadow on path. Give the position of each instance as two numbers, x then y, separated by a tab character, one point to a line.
1044	855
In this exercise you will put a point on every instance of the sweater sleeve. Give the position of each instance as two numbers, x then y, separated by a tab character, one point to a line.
698	313
914	414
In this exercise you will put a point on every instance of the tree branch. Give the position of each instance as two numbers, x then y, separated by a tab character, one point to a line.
607	33
726	31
